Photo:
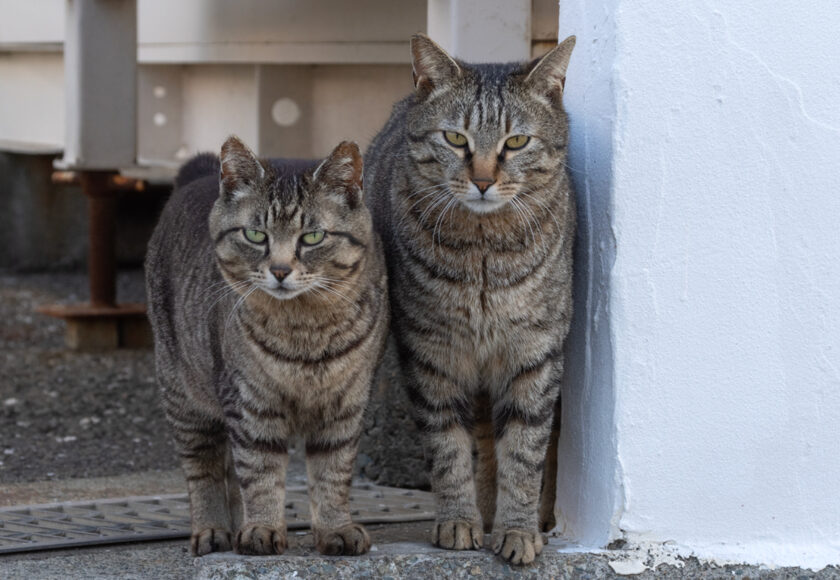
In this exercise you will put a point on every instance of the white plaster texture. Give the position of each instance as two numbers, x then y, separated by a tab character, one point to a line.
719	184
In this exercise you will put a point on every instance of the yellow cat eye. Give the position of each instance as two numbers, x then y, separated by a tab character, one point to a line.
455	139
516	142
255	236
312	238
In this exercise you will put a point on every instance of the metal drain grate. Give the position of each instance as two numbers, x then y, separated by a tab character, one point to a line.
133	519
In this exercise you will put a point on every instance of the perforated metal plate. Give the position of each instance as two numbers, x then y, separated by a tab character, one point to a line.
136	519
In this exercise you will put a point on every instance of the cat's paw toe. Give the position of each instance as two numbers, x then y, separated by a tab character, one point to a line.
350	540
517	546
260	540
458	535
210	540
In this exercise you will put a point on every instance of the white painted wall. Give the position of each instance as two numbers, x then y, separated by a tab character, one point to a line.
222	100
718	181
32	86
482	30
25	23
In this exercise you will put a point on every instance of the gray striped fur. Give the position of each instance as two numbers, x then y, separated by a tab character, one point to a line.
480	290
244	364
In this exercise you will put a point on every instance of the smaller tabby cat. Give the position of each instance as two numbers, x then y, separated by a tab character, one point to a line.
267	297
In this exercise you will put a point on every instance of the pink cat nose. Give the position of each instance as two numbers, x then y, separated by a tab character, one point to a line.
280	272
483	184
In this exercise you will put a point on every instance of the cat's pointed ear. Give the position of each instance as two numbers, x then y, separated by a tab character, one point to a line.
547	75
240	168
341	173
433	67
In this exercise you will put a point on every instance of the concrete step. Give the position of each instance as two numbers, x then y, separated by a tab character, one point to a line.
405	560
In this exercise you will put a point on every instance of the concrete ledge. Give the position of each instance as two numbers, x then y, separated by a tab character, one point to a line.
421	561
403	560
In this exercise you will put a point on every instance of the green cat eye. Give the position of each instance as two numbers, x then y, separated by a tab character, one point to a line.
255	236
517	142
455	139
312	238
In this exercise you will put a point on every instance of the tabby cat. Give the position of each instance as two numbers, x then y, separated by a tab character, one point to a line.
268	299
469	190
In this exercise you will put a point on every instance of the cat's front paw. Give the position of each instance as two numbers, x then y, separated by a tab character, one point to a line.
517	546
210	540
350	540
259	540
458	535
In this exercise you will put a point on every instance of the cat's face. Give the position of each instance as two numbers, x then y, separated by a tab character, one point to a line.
486	134
286	233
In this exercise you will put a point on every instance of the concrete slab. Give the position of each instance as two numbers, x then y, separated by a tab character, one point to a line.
412	560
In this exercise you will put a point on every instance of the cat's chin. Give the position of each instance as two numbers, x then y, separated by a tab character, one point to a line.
483	206
284	293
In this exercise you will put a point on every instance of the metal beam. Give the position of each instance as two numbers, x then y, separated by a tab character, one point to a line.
100	67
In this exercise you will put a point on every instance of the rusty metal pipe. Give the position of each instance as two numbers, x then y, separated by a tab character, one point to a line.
102	259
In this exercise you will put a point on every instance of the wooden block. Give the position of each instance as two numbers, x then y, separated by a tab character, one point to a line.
135	332
92	333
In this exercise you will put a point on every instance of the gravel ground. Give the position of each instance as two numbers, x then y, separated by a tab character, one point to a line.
66	414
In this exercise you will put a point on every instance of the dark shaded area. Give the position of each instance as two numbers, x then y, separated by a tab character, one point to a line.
44	226
390	450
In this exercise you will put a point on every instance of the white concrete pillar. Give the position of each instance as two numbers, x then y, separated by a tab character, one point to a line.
589	492
100	64
705	146
482	30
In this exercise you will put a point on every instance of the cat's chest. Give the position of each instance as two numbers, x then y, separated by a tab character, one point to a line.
483	314
297	356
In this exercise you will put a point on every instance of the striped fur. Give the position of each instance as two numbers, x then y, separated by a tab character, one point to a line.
244	363
480	284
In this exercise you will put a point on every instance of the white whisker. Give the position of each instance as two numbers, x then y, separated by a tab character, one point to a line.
225	292
237	305
532	196
439	223
335	292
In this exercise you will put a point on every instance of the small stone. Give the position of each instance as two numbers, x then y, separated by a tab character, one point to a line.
10	402
9	451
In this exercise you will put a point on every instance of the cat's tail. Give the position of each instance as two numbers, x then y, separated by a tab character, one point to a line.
201	165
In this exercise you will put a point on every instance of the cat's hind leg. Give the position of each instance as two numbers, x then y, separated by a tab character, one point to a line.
234	493
485	472
548	493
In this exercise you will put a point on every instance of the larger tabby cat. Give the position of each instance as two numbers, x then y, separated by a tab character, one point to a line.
469	189
267	296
